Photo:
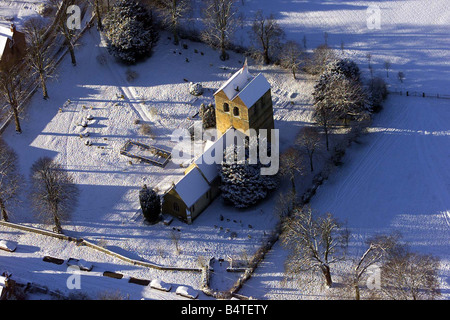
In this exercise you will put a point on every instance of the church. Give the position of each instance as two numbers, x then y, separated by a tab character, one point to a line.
243	102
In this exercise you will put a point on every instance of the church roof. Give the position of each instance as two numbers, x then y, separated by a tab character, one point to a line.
5	34
245	86
191	187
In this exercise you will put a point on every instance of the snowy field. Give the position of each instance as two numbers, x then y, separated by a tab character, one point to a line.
397	179
413	35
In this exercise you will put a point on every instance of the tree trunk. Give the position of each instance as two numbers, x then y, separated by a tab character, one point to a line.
44	86
16	119
311	161
266	56
327	275
3	210
72	53
99	18
223	53
175	36
357	295
58	228
325	127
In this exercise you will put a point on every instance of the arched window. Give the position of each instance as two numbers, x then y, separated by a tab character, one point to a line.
176	207
226	107
236	111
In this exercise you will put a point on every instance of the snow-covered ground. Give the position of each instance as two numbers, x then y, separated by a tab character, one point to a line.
17	11
26	265
108	209
413	35
397	179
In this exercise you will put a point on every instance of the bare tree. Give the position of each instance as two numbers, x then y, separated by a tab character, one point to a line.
53	194
266	34
11	89
337	97
38	51
290	57
173	11
9	178
401	76
317	63
387	67
290	166
175	236
220	18
408	275
378	249
97	7
309	142
313	242
65	31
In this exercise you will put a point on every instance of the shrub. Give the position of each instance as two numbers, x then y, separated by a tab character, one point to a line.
130	32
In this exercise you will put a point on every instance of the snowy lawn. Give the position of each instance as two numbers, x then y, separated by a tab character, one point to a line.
397	179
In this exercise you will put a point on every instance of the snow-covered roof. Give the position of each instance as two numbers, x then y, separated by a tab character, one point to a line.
245	86
254	90
205	163
191	187
5	34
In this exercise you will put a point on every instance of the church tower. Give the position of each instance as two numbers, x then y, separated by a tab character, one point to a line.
244	102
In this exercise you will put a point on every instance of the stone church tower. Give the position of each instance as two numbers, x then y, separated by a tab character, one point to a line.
244	102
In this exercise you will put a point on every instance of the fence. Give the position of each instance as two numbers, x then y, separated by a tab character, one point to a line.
420	94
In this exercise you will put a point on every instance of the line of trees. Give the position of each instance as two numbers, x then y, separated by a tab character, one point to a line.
317	242
53	194
39	57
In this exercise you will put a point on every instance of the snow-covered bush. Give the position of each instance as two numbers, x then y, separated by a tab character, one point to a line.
208	115
346	67
195	89
145	129
242	184
150	204
130	31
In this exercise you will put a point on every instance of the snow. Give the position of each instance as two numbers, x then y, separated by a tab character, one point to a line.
245	86
413	35
160	285
191	187
397	178
237	81
8	245
5	34
254	90
187	292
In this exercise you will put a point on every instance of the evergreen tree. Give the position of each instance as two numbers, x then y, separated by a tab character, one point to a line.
242	183
208	115
150	204
130	31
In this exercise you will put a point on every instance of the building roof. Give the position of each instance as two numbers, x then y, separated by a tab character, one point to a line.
191	187
208	163
5	34
245	86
